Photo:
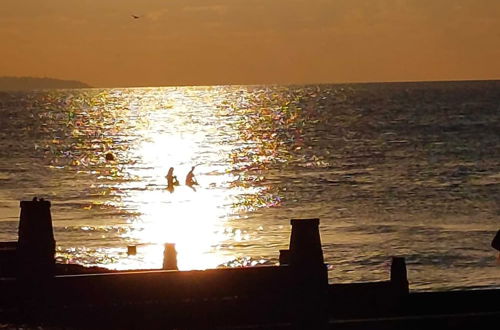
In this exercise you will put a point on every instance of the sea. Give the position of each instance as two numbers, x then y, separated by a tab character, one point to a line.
390	169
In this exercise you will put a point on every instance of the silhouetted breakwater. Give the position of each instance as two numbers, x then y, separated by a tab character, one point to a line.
295	294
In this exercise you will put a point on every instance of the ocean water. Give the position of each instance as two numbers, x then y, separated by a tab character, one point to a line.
394	169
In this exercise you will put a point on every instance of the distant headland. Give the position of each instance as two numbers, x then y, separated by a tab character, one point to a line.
31	83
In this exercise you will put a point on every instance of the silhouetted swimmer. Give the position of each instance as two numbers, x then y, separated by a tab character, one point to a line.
190	179
171	180
110	157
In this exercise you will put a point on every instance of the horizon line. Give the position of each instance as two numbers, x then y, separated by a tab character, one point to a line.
265	84
308	83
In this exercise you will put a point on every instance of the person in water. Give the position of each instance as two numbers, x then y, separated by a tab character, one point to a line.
171	179
110	157
190	179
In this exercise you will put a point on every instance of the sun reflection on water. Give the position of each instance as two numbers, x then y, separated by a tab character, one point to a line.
194	218
113	148
191	220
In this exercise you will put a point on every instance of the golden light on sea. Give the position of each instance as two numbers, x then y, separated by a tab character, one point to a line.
195	219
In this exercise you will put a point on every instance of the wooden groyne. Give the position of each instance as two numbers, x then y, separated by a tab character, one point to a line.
295	294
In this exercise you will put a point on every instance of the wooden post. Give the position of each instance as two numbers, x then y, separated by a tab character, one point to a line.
36	258
284	257
305	244
131	250
170	257
310	275
398	300
399	277
496	241
36	244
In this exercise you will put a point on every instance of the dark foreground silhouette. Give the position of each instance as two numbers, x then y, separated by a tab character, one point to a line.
294	295
496	241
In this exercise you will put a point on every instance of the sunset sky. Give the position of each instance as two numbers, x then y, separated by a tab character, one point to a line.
206	42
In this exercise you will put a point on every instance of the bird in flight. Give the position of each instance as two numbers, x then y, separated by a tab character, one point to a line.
135	16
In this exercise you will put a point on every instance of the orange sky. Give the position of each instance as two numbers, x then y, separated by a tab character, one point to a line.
205	42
